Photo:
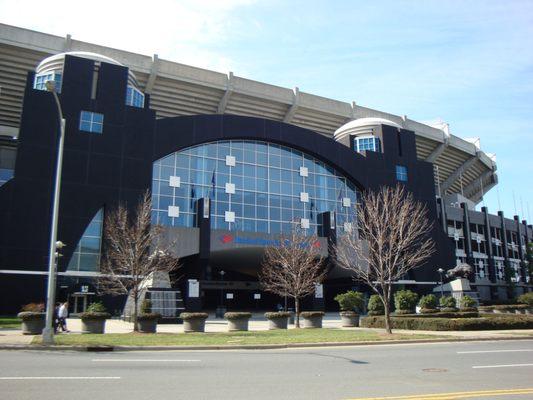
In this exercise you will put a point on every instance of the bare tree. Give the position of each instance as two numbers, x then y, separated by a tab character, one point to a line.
293	267
132	252
390	238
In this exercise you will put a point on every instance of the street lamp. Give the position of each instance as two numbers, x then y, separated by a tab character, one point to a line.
441	271
48	331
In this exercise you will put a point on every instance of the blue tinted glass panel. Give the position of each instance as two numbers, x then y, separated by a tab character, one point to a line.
267	183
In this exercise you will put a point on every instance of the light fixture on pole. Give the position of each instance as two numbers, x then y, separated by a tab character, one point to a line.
48	331
441	271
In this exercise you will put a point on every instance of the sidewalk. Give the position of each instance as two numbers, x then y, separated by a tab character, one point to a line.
259	323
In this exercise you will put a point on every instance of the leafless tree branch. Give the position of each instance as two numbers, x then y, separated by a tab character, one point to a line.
392	237
132	252
294	267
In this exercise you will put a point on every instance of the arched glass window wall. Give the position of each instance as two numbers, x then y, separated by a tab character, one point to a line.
254	186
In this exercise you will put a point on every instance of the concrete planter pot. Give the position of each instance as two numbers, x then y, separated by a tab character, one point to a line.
239	324
278	323
312	322
92	325
349	319
147	325
194	325
32	324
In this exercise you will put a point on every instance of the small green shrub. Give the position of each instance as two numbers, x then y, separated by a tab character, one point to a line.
237	315
96	307
467	302
350	301
95	311
375	305
311	314
428	302
526	298
146	306
405	300
277	314
447	302
193	315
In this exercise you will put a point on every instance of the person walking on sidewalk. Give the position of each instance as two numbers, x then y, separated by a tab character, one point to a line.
62	316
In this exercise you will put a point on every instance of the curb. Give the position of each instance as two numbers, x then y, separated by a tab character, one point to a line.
97	348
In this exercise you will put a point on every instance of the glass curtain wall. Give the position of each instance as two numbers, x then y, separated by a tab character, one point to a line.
254	186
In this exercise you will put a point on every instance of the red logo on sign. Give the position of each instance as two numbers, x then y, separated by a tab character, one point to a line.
226	238
316	244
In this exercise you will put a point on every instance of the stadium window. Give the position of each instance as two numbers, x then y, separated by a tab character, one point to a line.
91	122
367	144
134	97
39	82
401	173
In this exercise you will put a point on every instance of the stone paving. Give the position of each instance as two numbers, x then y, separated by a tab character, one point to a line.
257	323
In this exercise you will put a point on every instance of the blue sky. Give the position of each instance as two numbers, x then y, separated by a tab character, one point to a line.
467	63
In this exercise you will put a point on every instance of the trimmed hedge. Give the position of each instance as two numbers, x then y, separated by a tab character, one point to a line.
311	314
148	316
504	307
452	324
440	314
428	311
31	316
277	314
193	315
237	315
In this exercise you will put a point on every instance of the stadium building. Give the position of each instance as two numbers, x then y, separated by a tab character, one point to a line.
230	162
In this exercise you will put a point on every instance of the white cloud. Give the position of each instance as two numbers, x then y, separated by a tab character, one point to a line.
185	31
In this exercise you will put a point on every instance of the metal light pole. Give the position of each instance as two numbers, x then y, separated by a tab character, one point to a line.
222	272
441	271
48	331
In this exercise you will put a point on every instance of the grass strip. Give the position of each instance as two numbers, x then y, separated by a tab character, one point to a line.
9	322
324	335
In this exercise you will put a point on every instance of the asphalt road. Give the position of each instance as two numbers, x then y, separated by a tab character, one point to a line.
314	373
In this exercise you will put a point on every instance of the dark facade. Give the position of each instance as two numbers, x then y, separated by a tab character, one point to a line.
103	170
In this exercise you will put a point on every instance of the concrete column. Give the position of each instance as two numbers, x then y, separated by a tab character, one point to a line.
488	241
522	255
468	241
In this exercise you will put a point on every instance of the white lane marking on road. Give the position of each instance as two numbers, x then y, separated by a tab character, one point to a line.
502	366
140	360
492	351
20	378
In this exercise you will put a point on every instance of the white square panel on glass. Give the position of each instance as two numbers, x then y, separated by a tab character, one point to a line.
230	161
304	171
173	211
346	202
230	188
347	227
229	216
304	197
174	181
304	223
